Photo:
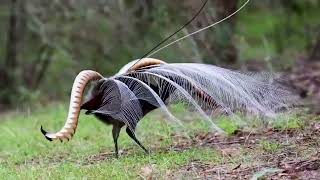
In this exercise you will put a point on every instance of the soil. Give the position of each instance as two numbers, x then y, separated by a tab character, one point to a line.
305	79
296	157
290	154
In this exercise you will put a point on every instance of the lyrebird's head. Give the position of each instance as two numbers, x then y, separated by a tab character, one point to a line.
94	98
79	85
104	96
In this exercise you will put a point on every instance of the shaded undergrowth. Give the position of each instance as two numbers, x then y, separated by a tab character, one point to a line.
193	149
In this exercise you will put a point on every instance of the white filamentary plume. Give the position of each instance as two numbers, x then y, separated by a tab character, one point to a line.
203	88
202	29
206	88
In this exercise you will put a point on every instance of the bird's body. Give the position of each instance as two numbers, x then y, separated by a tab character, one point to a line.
112	117
124	99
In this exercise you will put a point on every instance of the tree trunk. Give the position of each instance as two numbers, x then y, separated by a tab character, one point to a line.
142	15
12	42
7	80
215	43
225	8
315	53
45	63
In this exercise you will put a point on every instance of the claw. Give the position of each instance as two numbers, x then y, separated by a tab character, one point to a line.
45	134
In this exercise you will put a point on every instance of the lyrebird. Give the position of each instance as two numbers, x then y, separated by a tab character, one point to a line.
138	88
146	84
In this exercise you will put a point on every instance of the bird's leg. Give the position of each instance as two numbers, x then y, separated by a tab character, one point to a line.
133	136
115	134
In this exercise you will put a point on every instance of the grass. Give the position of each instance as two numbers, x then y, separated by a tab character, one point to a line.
270	146
25	154
124	168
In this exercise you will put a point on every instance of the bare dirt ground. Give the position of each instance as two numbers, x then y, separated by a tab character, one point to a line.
305	79
272	154
268	154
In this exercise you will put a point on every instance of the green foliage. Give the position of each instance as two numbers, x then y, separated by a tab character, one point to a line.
270	146
284	122
229	126
105	35
276	33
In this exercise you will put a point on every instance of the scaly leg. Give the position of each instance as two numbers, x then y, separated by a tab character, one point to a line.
133	136
115	134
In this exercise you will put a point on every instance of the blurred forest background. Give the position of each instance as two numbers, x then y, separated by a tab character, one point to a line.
45	43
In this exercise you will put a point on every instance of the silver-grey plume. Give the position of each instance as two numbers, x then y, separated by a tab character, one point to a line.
125	98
